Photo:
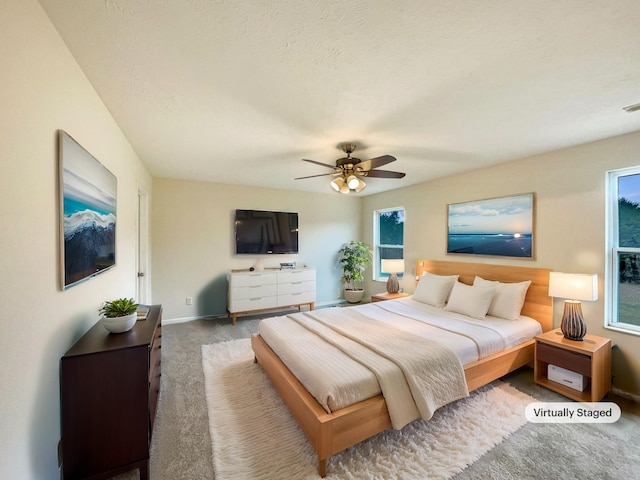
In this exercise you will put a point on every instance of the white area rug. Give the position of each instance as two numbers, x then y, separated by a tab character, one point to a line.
255	437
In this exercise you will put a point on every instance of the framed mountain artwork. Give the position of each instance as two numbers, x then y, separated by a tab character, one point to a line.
87	212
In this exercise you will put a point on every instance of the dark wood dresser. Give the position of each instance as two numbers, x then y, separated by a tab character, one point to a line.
109	386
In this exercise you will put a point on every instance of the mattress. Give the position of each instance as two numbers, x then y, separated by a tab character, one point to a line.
337	381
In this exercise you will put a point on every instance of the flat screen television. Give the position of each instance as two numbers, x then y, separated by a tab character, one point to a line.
260	232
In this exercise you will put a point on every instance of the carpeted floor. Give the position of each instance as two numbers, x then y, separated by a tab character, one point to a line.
181	444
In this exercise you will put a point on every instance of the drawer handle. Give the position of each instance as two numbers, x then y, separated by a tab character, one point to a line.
296	283
255	299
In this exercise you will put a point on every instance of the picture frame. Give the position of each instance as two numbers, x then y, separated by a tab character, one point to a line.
495	227
87	209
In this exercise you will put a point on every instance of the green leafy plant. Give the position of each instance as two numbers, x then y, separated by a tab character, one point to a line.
120	307
354	257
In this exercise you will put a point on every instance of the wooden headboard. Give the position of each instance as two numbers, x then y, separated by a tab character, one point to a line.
537	304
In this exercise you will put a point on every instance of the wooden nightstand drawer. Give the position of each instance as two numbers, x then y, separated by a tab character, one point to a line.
569	360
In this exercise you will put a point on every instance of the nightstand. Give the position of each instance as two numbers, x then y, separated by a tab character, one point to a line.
381	297
590	357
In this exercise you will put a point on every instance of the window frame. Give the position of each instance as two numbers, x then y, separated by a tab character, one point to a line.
613	250
377	274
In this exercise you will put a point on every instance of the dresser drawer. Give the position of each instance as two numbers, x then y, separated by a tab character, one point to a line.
296	287
296	298
252	279
157	336
155	358
154	393
256	303
569	360
241	293
289	276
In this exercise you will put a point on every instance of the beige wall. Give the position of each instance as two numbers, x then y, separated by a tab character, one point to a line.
193	248
569	187
42	90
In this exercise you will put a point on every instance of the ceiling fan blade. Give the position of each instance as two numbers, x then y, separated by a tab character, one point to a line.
376	162
320	175
319	163
383	174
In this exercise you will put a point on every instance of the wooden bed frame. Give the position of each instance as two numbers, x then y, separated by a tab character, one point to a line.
330	433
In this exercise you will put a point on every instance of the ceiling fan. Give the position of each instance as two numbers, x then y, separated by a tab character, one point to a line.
349	171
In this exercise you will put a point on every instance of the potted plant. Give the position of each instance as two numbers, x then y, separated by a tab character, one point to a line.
119	315
354	257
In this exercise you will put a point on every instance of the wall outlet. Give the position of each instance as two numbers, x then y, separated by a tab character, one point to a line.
189	300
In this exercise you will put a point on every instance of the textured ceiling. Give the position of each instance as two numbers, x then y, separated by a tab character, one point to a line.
240	91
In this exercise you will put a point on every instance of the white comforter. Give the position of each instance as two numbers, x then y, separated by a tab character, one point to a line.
339	364
416	375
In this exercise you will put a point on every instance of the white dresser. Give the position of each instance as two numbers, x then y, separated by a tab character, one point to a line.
271	288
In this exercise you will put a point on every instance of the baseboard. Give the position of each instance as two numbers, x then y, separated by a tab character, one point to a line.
272	313
168	321
626	395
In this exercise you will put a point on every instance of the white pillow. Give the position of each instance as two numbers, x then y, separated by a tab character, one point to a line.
472	301
508	300
434	289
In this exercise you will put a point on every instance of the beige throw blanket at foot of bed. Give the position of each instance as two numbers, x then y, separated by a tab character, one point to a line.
416	376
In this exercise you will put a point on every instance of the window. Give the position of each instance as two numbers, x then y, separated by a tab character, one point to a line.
388	238
622	290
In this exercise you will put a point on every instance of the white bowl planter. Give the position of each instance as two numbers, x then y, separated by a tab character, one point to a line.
353	296
120	324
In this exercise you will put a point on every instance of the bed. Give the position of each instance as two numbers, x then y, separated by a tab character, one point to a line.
330	432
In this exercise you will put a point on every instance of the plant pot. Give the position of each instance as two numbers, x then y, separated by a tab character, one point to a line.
120	324
353	296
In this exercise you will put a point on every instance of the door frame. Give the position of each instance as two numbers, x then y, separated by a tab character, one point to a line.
143	270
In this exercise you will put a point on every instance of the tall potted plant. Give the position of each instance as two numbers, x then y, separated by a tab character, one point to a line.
354	257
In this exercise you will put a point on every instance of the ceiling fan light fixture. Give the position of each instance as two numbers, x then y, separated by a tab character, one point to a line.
348	171
337	184
353	182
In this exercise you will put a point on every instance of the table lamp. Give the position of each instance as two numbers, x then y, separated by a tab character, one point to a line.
392	267
573	287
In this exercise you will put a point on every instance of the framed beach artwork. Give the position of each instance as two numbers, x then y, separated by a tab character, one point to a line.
87	212
497	227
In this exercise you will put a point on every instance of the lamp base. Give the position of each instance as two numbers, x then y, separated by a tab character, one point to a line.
573	325
392	284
